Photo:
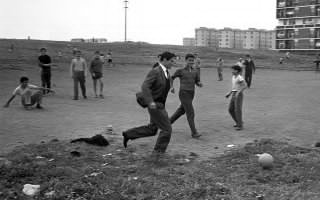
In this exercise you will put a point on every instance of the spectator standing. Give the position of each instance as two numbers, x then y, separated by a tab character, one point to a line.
78	72
96	70
220	63
45	65
250	69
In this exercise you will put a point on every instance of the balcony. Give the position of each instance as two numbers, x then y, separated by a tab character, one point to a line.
285	34
288	44
281	35
286	13
287	3
317	44
281	4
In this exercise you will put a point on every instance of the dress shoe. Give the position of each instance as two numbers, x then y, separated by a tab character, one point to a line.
39	106
196	135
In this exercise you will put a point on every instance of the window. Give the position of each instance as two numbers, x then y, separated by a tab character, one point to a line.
282	4
292	21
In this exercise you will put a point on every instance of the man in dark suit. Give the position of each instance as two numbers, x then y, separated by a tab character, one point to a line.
249	69
155	90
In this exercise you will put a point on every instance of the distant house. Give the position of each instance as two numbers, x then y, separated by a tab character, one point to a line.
77	40
101	40
90	40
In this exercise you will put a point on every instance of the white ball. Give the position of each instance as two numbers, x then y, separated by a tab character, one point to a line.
265	160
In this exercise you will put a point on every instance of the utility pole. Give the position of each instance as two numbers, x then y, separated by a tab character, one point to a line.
125	19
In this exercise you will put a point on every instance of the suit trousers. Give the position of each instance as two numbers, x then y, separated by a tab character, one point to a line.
235	108
78	77
186	107
159	119
248	78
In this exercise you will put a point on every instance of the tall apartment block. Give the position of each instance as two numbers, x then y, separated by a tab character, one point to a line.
299	25
235	38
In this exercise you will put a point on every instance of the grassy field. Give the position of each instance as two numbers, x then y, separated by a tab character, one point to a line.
280	106
112	173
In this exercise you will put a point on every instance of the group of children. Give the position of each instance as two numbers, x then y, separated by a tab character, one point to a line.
189	78
78	72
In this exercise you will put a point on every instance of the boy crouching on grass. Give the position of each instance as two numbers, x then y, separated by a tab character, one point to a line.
235	106
28	97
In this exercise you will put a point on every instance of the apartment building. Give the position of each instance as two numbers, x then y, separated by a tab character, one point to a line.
235	38
298	25
202	36
226	38
189	42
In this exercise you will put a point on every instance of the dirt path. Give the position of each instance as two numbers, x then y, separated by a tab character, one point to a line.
281	105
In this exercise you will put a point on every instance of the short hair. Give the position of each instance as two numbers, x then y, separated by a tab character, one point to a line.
43	49
189	55
166	55
23	79
248	56
97	52
237	67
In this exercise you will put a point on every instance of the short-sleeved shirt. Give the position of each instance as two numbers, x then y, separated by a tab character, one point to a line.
25	93
79	64
45	59
220	63
96	65
188	78
236	82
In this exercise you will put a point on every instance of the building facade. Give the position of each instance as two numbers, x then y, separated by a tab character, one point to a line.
235	38
298	25
189	42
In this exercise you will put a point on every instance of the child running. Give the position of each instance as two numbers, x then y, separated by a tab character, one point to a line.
189	77
235	106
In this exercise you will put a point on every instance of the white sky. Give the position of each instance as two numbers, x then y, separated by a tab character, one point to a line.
154	21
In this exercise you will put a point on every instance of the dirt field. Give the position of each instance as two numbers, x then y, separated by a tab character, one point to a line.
281	105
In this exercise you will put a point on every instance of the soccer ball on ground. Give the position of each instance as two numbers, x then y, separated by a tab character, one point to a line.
265	160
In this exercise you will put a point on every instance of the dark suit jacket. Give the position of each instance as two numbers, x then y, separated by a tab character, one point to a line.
154	87
249	66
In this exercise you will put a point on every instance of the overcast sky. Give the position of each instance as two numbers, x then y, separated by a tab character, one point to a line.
154	21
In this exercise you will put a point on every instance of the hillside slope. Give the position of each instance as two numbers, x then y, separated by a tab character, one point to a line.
27	51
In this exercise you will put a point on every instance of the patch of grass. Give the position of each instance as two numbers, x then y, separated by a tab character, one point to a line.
114	173
143	54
